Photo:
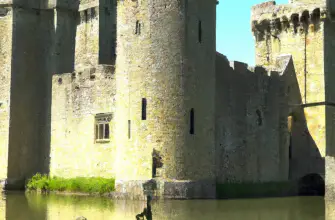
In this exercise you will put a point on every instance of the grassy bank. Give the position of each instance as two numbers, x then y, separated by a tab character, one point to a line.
252	190
45	183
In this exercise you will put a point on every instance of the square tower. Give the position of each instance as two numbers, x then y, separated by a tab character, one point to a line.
304	30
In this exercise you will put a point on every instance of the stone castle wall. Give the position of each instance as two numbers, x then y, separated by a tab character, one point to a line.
298	30
168	91
252	143
76	100
161	67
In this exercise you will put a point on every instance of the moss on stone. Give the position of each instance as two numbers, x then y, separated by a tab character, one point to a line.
79	184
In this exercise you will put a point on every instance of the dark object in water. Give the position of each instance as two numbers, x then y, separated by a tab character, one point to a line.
146	211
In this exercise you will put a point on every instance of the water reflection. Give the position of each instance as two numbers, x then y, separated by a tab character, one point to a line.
17	206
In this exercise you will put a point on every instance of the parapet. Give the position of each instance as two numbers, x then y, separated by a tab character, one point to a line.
243	68
74	5
271	18
88	12
91	73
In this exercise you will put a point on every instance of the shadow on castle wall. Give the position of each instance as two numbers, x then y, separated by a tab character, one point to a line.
39	49
45	42
255	143
306	163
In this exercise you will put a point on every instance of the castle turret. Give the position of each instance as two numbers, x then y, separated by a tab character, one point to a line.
165	71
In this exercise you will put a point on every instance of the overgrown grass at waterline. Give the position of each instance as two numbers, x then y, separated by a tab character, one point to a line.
90	185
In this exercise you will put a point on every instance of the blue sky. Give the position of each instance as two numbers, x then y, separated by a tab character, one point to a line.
234	38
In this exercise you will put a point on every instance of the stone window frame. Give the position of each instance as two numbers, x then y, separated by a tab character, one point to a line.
102	121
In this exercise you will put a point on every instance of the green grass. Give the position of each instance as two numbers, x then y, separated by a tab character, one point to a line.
79	184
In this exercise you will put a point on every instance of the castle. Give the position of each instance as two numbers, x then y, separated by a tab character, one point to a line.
134	89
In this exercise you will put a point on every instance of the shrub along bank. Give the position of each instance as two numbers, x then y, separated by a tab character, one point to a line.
91	185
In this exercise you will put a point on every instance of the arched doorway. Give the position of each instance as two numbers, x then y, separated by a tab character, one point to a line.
311	185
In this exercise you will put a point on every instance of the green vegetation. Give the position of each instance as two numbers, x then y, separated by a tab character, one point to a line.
250	190
45	183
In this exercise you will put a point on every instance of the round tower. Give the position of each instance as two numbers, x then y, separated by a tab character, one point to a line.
165	79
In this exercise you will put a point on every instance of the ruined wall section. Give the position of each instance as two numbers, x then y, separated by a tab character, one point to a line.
76	99
6	22
251	124
298	30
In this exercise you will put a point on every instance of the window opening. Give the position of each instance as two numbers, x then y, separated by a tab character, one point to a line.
138	28
102	127
192	121
199	32
144	109
129	129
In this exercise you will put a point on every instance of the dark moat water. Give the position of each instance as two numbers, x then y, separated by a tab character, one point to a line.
17	206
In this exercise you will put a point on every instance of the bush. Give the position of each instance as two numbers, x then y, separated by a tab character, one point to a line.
78	184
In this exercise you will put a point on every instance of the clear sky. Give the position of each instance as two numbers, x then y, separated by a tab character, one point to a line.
234	38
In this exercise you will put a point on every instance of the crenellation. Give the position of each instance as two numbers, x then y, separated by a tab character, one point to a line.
98	72
88	14
260	70
295	23
239	66
277	17
4	11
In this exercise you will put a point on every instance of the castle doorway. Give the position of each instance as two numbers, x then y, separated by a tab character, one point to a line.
311	185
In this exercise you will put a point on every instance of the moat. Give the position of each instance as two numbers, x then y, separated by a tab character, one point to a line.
18	206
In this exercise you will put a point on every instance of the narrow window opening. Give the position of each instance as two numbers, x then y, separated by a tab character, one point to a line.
129	129
86	15
144	109
192	121
290	148
138	28
199	32
101	131
106	131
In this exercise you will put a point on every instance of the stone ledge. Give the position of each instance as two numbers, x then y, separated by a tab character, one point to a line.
165	189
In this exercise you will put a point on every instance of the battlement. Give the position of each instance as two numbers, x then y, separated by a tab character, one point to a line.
74	5
88	13
243	68
4	11
85	74
271	18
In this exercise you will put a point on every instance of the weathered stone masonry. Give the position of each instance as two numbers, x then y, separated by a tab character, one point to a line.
135	90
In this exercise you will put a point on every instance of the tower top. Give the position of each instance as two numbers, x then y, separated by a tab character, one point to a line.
271	11
271	17
320	2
